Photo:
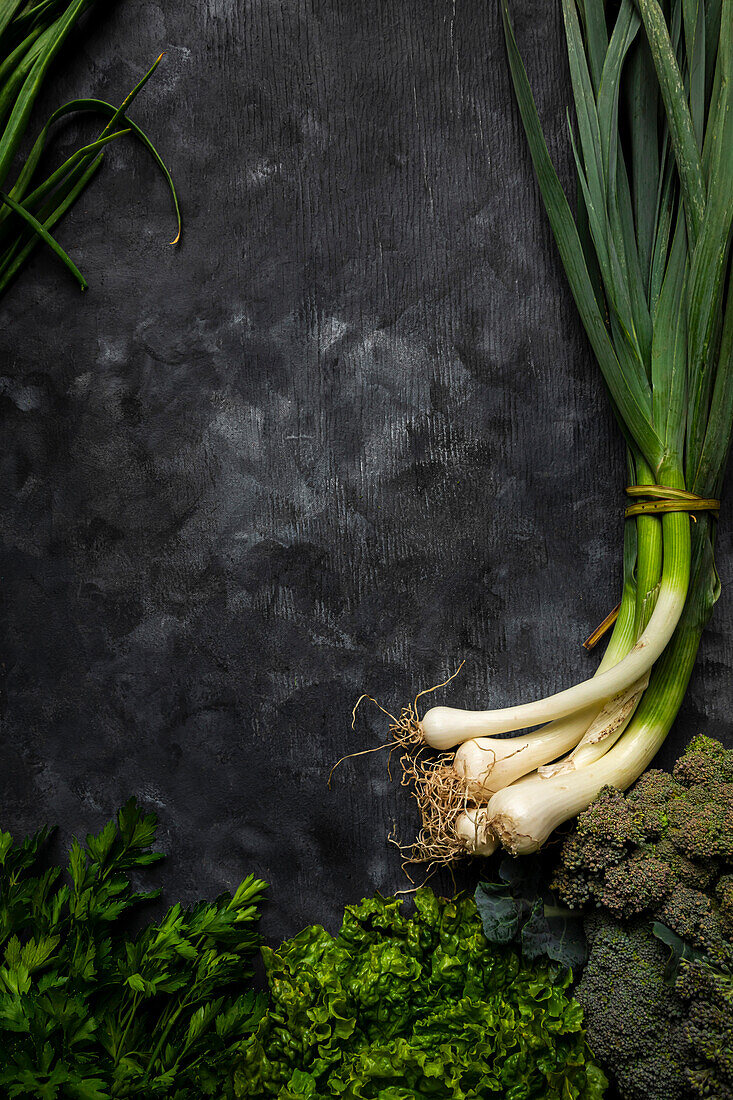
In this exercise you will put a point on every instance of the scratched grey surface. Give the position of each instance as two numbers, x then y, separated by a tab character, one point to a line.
346	436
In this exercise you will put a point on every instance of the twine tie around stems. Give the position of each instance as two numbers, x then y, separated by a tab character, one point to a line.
662	498
654	500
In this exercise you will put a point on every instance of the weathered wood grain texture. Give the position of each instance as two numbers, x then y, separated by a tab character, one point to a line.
346	436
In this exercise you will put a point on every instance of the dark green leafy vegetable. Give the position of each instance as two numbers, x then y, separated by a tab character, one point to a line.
398	1007
521	909
90	1011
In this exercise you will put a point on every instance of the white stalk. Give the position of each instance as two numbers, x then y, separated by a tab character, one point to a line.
523	816
478	837
602	733
490	763
445	727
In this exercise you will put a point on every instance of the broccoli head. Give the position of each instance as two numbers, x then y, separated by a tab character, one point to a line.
656	866
664	1038
634	1018
631	853
705	762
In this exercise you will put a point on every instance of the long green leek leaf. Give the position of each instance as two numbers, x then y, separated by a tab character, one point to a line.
32	33
42	232
631	398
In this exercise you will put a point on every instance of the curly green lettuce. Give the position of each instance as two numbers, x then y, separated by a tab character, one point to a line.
396	1007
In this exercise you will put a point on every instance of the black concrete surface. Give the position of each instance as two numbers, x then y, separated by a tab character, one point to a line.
345	436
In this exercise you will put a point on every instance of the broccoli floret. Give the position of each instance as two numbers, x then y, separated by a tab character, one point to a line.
661	1023
699	876
708	1029
704	761
696	918
634	1019
629	852
639	883
651	798
701	824
614	819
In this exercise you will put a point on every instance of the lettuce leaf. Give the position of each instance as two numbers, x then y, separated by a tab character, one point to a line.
398	1007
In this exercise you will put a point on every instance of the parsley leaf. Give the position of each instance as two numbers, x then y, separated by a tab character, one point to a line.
91	1012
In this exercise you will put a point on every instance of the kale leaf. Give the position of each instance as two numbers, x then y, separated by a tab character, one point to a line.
522	910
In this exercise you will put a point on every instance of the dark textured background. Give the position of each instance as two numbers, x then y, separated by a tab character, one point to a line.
347	435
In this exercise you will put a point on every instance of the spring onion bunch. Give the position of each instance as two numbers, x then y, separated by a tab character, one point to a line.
32	32
647	257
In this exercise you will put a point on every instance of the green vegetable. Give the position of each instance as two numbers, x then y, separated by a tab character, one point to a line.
657	866
664	850
648	267
659	1035
398	1007
635	1020
521	909
647	260
31	36
89	1010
